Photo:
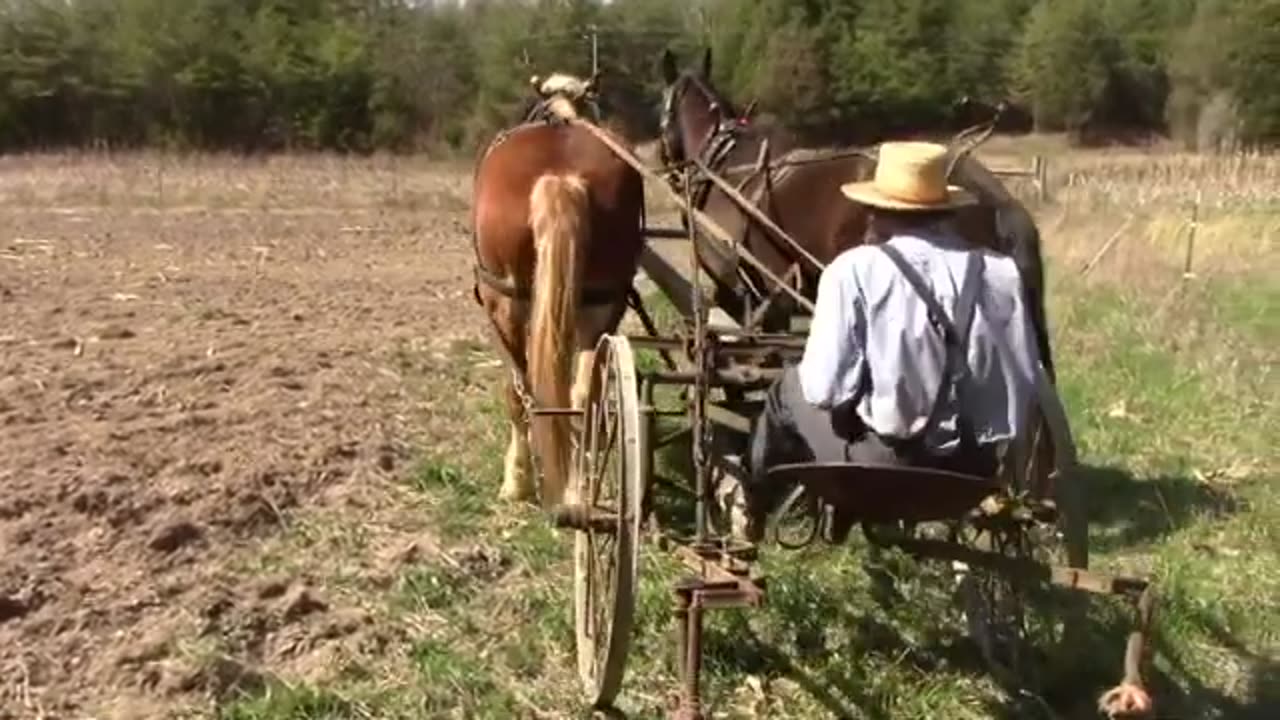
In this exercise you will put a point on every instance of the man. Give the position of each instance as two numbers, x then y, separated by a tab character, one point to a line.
921	351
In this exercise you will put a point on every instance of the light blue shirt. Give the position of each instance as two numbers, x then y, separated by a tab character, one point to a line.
866	312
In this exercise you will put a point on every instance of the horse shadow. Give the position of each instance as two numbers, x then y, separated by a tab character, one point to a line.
1125	511
826	623
1183	695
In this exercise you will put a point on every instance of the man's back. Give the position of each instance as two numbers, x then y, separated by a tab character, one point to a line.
868	310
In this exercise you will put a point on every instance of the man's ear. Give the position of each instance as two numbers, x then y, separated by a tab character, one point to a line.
669	70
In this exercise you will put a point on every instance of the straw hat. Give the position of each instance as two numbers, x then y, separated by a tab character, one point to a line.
910	176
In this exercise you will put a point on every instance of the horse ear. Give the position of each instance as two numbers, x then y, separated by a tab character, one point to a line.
669	70
706	63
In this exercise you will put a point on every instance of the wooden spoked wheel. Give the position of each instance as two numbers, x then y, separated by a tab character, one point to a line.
610	485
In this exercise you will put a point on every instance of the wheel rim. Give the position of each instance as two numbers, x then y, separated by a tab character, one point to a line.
606	476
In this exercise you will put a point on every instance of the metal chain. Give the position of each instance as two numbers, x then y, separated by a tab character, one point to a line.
527	402
529	405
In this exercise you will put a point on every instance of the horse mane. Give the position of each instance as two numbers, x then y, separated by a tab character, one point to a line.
727	106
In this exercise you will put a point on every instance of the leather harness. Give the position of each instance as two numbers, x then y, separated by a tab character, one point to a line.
539	115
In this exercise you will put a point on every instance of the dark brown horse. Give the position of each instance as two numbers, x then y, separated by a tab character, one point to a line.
558	223
800	192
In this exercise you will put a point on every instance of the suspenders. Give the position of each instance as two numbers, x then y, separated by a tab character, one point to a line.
955	336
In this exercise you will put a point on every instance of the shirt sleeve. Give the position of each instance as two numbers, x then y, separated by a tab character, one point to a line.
832	363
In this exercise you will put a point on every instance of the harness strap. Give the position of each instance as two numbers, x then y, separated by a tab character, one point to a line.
587	297
955	336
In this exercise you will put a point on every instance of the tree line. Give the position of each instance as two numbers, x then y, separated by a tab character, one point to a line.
413	74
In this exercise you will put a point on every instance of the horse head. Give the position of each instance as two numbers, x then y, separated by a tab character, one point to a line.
693	114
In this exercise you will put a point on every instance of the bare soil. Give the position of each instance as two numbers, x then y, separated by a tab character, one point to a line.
176	382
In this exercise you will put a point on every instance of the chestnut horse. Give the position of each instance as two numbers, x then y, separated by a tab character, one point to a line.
558	224
800	192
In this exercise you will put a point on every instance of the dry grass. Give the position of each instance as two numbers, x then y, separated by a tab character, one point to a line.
296	184
1152	203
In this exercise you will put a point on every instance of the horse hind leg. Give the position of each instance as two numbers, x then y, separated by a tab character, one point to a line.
517	469
582	378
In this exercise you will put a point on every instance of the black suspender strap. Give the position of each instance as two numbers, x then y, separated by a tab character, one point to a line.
955	335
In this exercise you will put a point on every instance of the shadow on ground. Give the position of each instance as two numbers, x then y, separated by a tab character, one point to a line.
800	640
818	625
1125	511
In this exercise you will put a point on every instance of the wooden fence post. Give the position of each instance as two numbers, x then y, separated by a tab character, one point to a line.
1187	274
1040	170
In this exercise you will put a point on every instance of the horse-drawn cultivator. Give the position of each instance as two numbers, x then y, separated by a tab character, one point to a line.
1011	535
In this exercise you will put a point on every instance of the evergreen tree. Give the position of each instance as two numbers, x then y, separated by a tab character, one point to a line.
1063	62
359	74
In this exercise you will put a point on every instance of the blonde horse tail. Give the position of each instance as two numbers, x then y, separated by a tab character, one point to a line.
558	209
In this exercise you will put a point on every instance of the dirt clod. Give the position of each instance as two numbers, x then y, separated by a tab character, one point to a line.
146	651
224	676
117	332
16	605
300	602
146	388
175	536
272	588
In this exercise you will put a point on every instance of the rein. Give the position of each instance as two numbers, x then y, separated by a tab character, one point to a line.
718	142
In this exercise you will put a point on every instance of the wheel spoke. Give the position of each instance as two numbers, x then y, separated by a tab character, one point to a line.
605	560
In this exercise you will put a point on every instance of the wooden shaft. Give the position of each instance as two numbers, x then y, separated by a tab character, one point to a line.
755	214
698	216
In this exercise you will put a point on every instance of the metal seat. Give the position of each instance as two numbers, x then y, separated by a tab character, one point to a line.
888	493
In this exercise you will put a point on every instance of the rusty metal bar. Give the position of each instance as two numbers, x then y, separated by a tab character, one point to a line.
730	377
1130	698
683	598
756	316
729	346
671	437
714	576
691	700
725	417
1135	649
557	412
585	518
1070	578
798	157
637	304
667	233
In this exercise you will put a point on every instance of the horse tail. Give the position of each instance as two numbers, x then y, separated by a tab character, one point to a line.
558	210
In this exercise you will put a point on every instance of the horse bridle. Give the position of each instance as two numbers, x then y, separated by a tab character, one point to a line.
717	143
719	139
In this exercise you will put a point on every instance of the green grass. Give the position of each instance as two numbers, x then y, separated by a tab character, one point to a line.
1174	408
288	701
